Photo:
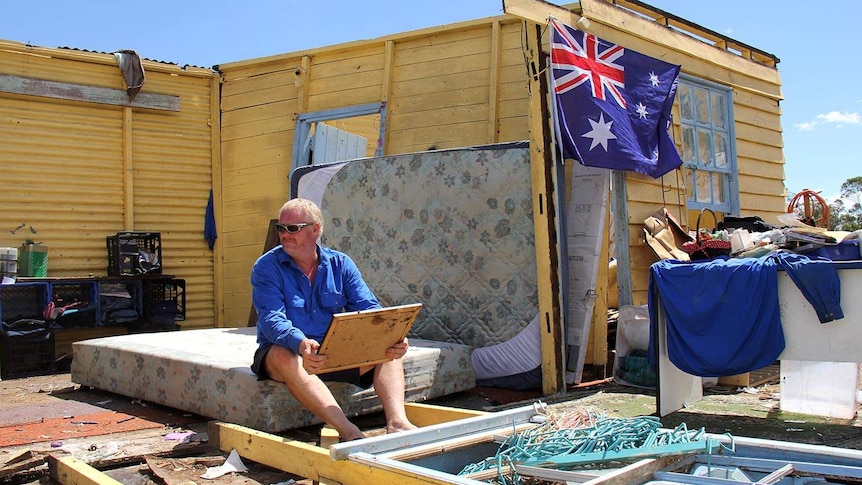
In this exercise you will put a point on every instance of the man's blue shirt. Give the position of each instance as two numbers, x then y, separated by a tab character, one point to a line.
289	309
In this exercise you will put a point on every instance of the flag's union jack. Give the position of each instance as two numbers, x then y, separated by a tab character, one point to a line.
577	58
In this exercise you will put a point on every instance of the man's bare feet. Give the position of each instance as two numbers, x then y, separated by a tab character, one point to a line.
351	433
396	426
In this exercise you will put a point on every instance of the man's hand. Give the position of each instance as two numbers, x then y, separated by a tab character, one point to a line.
312	362
398	350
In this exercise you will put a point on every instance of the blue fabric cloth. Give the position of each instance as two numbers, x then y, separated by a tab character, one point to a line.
210	233
818	281
722	315
289	309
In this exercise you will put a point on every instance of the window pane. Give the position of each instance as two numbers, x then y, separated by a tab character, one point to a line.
702	186
689	181
688	146
704	147
684	94
718	188
701	105
720	150
719	111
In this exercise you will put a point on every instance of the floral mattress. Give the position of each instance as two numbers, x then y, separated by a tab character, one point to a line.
207	372
451	229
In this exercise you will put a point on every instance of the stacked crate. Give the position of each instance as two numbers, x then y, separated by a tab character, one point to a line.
134	253
26	342
164	302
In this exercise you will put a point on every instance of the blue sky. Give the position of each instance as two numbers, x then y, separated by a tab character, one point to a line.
820	68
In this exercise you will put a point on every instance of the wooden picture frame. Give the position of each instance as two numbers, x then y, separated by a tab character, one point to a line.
361	338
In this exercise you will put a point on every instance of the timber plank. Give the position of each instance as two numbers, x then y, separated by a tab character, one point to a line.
85	93
302	459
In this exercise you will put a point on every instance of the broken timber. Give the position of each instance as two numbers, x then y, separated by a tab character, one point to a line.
84	93
68	470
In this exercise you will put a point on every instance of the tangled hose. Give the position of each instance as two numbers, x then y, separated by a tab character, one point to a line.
808	212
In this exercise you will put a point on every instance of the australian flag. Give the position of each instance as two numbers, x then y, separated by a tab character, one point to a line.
613	104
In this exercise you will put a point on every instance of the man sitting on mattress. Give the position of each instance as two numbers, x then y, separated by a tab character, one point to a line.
296	289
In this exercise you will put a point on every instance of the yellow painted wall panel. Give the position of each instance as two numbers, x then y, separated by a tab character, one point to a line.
333	67
439	101
513	129
277	109
259	83
281	124
512	109
358	80
65	173
276	156
762	119
757	134
260	97
439	89
467	85
474	63
252	144
344	97
444	45
746	150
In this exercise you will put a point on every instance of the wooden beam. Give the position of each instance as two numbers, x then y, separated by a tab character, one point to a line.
388	69
128	171
637	471
538	11
542	174
599	326
303	459
68	470
87	94
217	191
427	414
494	83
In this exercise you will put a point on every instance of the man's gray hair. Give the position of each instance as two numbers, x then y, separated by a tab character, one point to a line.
310	209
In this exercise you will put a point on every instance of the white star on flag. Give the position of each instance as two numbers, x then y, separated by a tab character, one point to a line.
653	78
601	132
642	111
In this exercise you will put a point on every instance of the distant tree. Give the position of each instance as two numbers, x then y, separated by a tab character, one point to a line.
846	212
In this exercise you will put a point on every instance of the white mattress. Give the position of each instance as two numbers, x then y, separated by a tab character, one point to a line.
207	372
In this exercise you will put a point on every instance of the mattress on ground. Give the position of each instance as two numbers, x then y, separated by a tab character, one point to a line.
207	372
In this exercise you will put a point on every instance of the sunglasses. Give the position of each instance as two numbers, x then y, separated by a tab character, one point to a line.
292	228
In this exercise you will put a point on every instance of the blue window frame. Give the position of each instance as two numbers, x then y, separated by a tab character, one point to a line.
708	145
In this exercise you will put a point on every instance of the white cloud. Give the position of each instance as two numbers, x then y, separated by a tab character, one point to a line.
834	118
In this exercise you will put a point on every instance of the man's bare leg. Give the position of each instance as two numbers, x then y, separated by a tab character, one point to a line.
389	385
284	366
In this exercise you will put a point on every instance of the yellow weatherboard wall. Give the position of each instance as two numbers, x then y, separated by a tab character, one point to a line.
78	168
466	84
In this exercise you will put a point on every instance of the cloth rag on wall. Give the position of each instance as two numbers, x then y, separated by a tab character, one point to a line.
210	233
722	315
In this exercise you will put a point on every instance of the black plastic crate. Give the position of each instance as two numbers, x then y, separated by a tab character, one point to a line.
164	301
26	352
134	253
121	302
78	300
23	301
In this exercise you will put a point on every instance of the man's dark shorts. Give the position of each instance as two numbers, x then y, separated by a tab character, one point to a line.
350	376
